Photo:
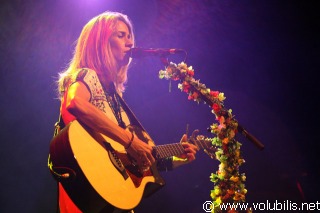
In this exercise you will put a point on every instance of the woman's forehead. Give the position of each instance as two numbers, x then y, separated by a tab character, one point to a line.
122	27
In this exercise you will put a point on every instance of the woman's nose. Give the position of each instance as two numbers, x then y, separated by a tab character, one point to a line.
129	42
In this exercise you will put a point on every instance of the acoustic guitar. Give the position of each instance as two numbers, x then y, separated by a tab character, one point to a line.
97	172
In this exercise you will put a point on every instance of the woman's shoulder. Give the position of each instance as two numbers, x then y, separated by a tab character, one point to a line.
91	80
86	74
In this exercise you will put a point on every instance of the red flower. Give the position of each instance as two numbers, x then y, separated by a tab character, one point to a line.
175	77
214	93
216	107
190	72
194	96
185	86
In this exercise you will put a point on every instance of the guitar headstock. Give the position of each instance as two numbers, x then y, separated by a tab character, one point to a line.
204	143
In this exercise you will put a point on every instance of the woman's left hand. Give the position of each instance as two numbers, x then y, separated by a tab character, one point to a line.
188	156
190	149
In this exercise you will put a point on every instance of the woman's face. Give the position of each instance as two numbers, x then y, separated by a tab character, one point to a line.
120	43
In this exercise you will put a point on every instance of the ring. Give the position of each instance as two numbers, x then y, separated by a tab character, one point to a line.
145	166
146	163
144	169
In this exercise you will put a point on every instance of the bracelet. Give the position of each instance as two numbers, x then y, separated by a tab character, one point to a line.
131	140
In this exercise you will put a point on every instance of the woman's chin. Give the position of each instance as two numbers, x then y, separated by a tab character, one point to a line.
125	61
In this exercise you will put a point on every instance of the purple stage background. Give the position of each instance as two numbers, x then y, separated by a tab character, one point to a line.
264	55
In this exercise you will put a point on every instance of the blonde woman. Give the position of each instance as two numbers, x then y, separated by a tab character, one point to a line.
90	91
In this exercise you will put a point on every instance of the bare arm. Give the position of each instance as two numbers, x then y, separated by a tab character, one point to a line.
77	103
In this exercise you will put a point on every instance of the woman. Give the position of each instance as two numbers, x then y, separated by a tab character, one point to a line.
92	86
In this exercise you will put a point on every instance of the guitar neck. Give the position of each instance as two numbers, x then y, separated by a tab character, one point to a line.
167	150
175	149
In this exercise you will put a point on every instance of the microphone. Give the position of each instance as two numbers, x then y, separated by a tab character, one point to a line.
137	52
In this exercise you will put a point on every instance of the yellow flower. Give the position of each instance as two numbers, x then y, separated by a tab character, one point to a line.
218	154
212	194
214	128
225	140
221	174
234	179
217	202
222	166
221	96
216	190
182	65
244	191
238	196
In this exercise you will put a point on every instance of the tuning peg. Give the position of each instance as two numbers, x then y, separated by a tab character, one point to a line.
193	135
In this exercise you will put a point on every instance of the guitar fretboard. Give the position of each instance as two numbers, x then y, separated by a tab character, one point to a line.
176	149
168	150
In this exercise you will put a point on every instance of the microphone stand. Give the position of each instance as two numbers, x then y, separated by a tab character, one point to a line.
240	128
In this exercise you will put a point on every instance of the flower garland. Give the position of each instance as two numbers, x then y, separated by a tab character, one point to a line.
229	187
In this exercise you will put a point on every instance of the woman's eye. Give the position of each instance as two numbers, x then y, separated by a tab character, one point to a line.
121	35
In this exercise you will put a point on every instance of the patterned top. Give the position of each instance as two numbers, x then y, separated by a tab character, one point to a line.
97	95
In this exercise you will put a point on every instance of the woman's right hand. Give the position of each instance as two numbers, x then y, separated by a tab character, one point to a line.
142	153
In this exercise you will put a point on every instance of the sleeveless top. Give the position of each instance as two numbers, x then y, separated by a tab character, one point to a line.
98	98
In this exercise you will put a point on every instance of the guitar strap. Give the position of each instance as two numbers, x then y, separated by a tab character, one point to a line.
164	164
133	119
58	125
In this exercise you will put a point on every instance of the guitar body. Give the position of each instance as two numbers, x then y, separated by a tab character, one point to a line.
100	173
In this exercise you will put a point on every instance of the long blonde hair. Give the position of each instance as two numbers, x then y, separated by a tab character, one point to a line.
93	51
